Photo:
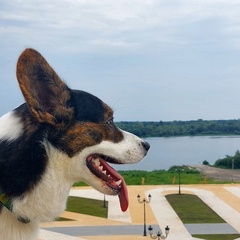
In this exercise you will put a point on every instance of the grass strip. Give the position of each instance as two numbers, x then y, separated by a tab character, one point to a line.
87	206
191	209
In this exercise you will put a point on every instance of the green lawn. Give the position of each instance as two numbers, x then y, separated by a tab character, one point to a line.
86	206
191	209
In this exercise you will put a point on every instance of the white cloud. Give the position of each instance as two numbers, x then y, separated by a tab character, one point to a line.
126	43
141	22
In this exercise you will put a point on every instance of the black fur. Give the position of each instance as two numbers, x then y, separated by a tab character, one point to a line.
22	169
87	107
22	161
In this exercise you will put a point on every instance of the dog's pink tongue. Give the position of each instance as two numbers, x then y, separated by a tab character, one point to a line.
123	196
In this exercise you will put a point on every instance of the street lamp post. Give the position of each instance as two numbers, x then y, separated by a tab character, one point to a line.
232	168
159	234
179	180
144	201
104	201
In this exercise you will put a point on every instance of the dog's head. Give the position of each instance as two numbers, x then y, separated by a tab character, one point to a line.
80	127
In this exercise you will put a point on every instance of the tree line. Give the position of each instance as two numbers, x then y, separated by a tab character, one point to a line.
229	161
182	128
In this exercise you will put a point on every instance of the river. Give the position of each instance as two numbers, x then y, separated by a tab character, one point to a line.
168	151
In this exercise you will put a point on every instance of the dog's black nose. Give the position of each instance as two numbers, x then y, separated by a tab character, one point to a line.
146	145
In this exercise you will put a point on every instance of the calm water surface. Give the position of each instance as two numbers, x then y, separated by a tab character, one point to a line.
166	152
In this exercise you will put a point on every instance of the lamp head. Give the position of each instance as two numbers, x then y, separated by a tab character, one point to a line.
150	229
138	197
167	230
149	197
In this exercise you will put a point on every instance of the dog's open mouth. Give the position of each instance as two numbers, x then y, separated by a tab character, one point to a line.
99	167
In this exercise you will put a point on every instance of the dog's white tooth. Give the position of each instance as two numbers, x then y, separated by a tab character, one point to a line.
104	172
109	176
96	162
119	182
101	168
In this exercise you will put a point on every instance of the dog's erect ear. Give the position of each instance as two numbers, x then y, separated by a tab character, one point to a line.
46	94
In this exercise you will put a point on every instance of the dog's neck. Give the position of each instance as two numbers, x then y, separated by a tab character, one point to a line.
41	204
48	200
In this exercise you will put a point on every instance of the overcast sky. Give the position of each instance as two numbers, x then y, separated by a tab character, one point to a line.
149	60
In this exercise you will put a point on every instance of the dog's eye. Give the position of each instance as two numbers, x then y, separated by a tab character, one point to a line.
110	121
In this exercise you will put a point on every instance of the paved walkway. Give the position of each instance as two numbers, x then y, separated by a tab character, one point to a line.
219	173
223	199
218	228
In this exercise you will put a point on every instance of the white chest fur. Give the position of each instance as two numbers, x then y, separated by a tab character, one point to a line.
42	204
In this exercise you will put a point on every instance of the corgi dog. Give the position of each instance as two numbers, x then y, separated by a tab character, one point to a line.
57	137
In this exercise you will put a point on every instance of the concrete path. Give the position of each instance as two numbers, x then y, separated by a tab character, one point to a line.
101	230
223	199
218	173
211	228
